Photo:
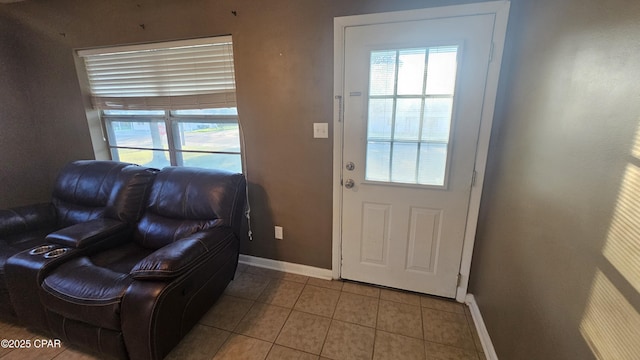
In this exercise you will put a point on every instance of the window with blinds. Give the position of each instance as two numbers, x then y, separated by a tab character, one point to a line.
172	75
170	103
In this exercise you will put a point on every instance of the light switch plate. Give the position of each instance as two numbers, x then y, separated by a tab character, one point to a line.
321	130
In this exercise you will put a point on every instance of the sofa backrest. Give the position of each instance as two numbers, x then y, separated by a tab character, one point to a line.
91	189
186	200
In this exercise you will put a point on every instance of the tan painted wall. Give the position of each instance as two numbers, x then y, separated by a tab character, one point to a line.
284	75
19	133
569	109
565	124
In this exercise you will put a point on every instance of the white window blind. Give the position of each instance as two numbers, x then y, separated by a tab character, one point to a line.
191	74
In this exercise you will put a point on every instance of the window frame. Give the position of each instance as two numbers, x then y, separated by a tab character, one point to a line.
171	121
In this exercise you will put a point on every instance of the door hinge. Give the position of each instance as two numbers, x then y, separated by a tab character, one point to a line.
459	280
473	178
491	51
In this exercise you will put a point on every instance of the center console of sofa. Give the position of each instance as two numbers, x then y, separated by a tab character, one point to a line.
24	273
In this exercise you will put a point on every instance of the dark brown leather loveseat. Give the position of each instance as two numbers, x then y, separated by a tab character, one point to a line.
108	194
139	292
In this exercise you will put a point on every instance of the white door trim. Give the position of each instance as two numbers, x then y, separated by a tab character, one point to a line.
501	11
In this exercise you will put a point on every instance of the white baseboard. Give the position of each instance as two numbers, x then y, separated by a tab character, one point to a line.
299	269
487	345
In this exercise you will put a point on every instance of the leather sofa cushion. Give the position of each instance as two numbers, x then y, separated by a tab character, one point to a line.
82	190
27	218
175	259
154	231
187	200
200	194
87	189
87	289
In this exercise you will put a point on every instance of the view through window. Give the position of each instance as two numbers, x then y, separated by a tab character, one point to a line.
410	111
208	138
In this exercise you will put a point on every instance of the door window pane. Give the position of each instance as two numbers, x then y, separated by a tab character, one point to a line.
407	124
441	71
433	164
378	156
380	117
383	73
437	119
403	167
410	67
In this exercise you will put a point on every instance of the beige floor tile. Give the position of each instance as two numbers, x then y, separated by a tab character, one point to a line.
243	347
242	267
400	319
4	324
443	352
263	322
442	304
357	309
279	275
284	353
329	284
347	341
294	277
9	330
247	286
400	296
394	347
361	289
304	332
317	301
282	293
227	312
13	331
447	328
202	342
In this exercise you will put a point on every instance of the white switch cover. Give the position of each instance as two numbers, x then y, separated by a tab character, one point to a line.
279	232
321	130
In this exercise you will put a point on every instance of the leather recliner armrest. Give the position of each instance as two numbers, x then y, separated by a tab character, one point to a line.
27	218
176	258
88	233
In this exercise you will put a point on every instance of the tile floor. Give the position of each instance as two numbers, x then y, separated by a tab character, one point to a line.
266	314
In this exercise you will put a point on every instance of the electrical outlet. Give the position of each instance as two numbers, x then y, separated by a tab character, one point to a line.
279	232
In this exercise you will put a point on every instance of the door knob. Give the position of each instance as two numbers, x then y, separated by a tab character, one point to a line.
350	166
349	183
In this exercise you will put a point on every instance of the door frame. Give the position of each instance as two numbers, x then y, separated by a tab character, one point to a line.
500	10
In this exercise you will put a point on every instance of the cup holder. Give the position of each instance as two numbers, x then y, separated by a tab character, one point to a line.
55	253
41	249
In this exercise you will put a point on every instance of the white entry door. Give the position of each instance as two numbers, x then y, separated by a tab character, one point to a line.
413	97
